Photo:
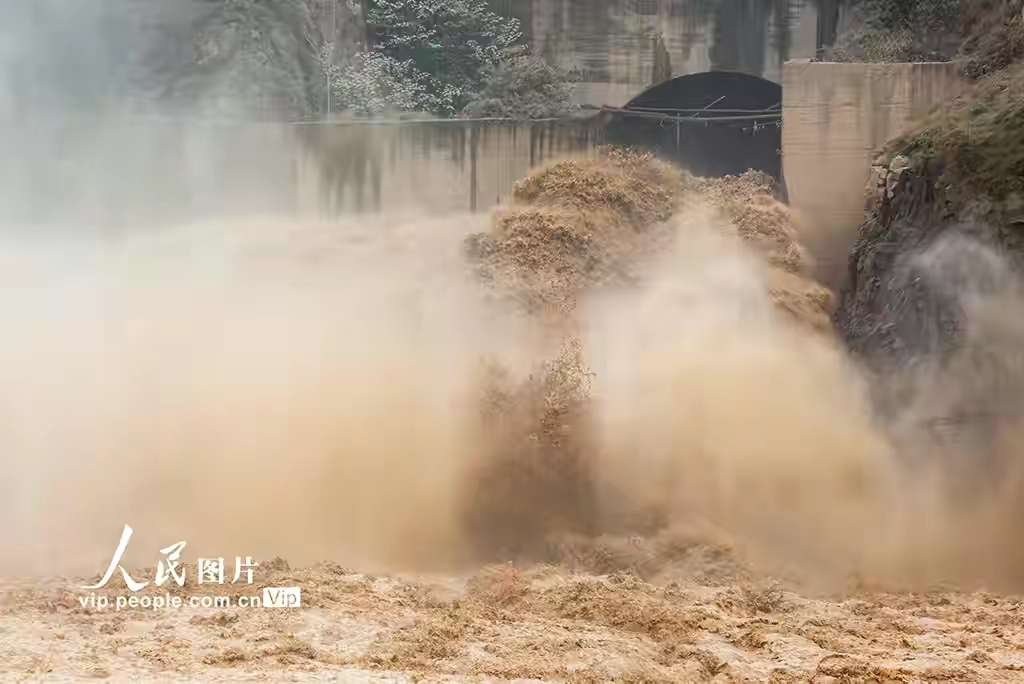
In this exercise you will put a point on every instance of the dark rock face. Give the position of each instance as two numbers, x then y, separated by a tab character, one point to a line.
890	312
907	285
934	309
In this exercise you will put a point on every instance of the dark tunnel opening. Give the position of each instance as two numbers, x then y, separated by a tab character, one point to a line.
714	123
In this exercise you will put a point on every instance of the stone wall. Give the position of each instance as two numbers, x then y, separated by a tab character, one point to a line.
834	118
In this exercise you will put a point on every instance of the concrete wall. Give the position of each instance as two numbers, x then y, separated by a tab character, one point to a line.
433	166
115	174
835	116
612	44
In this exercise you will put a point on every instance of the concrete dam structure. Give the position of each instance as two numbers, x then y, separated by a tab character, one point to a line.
685	54
622	52
429	166
835	118
619	48
212	168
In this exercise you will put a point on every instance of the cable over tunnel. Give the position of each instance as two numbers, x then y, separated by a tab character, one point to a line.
714	123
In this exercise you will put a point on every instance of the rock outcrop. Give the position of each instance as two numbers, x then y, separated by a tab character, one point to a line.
935	299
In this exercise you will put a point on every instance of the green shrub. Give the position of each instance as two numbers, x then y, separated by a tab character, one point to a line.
523	88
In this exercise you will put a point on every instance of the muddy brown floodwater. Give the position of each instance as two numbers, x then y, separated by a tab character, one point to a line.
606	434
703	620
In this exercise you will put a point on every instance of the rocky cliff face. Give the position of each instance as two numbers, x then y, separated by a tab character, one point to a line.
897	305
935	300
251	57
267	58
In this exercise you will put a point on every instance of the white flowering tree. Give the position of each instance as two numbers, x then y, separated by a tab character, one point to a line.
426	55
375	83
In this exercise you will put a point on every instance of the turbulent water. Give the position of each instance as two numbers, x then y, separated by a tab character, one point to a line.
355	390
622	385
